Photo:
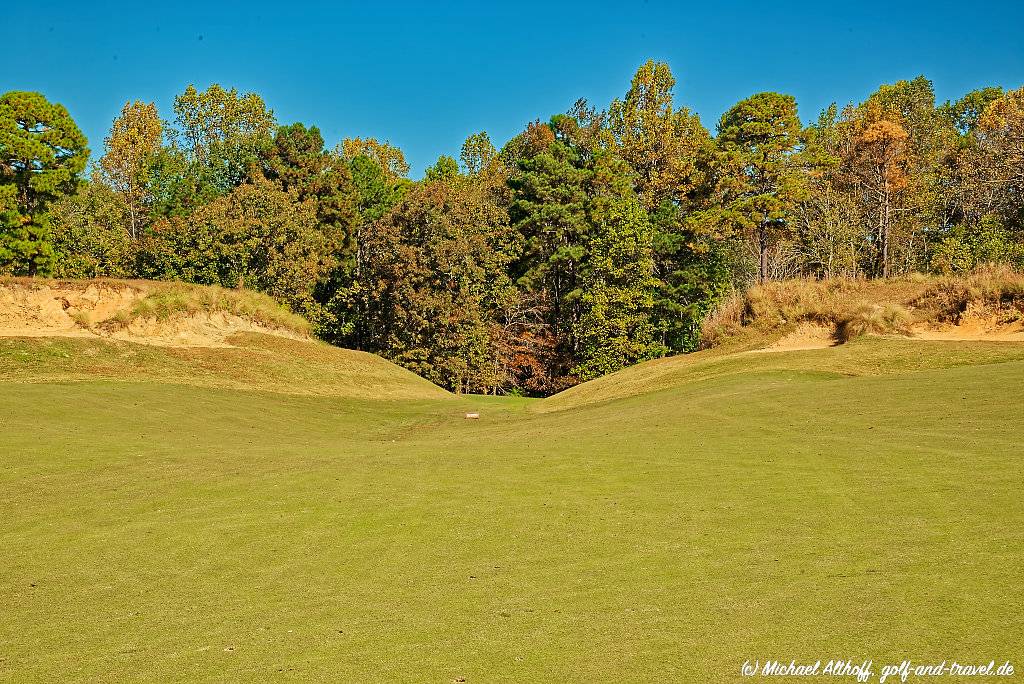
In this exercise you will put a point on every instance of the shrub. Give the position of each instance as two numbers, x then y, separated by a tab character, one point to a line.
965	248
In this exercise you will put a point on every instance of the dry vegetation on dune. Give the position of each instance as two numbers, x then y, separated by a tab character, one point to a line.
986	304
178	299
164	313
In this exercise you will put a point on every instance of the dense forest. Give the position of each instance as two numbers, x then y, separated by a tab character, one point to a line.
588	242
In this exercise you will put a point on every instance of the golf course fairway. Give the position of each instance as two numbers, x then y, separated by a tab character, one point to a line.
863	502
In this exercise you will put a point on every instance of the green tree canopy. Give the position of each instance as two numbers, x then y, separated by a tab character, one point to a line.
258	236
444	168
223	134
42	154
478	153
433	270
759	174
298	162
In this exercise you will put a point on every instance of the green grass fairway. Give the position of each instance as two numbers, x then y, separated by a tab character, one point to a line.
865	501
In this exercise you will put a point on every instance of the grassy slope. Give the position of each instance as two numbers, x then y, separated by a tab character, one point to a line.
779	509
257	361
869	356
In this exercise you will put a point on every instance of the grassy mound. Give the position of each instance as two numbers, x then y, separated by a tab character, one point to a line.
869	356
252	361
143	331
838	312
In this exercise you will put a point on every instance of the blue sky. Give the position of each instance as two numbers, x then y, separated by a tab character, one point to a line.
425	77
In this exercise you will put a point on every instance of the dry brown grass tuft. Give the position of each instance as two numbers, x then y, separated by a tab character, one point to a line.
724	323
874	319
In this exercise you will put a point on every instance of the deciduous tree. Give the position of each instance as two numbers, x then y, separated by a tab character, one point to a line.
443	169
89	236
478	153
433	270
223	133
879	161
662	144
1000	134
258	236
127	163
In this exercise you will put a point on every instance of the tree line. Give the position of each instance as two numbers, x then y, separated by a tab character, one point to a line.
588	242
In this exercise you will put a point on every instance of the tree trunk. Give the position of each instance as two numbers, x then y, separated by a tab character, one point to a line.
762	246
885	233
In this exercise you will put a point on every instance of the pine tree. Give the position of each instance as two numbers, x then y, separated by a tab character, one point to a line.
42	154
758	171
